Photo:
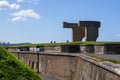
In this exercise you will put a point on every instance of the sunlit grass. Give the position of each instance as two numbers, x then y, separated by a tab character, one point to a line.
13	69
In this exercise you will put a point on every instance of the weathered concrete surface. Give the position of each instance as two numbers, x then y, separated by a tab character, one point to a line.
111	48
100	49
87	48
78	33
46	77
71	66
52	49
89	71
62	71
91	29
88	29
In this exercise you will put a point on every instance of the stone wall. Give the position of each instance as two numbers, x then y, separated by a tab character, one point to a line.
69	66
87	48
52	49
99	49
112	48
77	48
86	70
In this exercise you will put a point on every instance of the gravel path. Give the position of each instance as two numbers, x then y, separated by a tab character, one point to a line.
109	56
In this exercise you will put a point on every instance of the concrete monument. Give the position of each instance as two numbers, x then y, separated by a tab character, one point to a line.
87	29
78	33
91	29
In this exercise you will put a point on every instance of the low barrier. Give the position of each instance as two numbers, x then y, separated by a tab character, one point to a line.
81	48
68	66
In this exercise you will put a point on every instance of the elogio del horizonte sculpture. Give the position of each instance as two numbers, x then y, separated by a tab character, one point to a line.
87	29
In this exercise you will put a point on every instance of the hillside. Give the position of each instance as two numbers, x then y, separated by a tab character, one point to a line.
13	69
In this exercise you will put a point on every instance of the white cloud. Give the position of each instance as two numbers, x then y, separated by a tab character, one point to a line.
6	5
29	1
23	15
14	6
34	1
18	19
20	1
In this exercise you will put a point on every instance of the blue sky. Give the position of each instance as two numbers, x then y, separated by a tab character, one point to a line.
40	21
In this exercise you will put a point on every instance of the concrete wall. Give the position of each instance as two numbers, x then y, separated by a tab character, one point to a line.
87	48
86	70
69	66
99	49
91	48
52	49
112	48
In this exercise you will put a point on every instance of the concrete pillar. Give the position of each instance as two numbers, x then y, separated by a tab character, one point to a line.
78	33
91	29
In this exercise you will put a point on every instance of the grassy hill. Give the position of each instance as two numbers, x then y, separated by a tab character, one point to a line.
13	69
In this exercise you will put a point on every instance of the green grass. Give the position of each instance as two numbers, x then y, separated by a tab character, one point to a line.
66	43
13	69
104	59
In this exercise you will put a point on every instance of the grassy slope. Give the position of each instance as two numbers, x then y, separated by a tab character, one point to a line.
13	69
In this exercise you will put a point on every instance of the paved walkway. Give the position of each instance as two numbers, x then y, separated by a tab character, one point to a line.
46	77
109	56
